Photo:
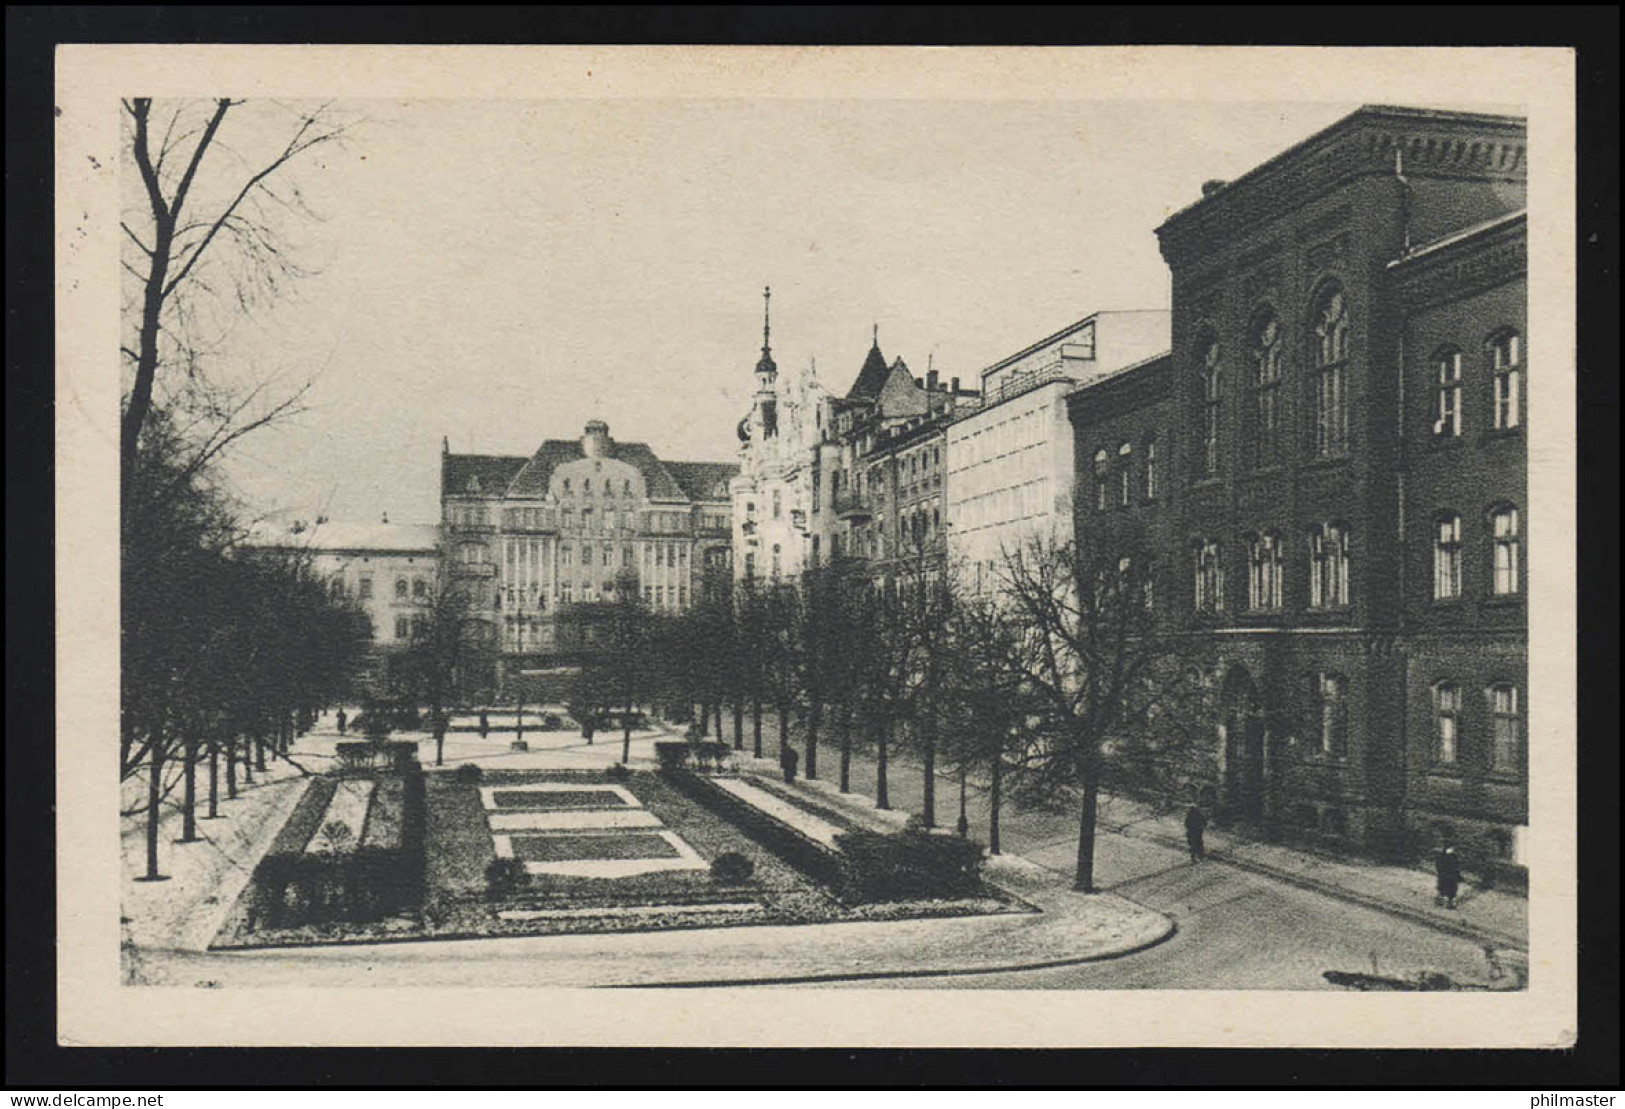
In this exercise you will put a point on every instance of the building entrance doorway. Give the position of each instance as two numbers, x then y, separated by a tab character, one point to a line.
1242	726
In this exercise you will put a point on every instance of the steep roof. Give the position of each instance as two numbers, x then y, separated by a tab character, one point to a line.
700	479
872	377
491	472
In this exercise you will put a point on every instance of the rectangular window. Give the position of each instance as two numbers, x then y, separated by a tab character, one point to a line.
1446	715
1505	523
1506	746
1447	405
1447	558
1332	690
402	628
364	590
1506	365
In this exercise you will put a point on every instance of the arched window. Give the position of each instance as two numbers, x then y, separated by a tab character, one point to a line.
586	487
1506	740
1331	351
1446	722
1329	567
420	588
1447	393
1151	467
400	589
1266	388
1209	576
1506	369
1125	472
1264	572
1329	693
1446	556
1102	480
1212	371
1504	529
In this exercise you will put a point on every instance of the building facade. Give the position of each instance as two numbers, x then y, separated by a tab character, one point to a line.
529	539
1009	458
391	571
879	477
772	496
1337	479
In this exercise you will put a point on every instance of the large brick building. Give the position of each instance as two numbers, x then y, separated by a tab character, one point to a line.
1338	478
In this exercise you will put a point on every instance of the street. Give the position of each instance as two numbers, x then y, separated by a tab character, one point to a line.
1236	929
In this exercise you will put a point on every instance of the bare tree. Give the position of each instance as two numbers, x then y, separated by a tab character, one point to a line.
1089	650
206	229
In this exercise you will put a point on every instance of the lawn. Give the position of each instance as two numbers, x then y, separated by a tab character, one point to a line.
549	800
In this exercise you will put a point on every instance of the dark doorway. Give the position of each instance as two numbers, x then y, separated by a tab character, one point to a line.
1243	722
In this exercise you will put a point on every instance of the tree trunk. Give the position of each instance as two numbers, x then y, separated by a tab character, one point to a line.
756	726
248	761
214	779
705	720
260	744
928	806
231	769
739	725
154	794
882	794
626	733
1085	882
846	751
784	728
189	801
439	740
717	709
993	798
814	711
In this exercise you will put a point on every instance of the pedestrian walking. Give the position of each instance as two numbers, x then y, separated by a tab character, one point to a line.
1447	867
485	725
1195	825
788	761
343	721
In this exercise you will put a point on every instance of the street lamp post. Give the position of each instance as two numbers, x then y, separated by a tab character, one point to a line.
519	679
964	822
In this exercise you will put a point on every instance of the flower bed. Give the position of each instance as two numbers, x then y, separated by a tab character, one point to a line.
564	848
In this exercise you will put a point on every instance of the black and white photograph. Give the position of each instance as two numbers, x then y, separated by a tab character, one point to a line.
915	543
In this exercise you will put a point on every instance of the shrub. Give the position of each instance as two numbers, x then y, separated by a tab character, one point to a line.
908	865
505	876
731	868
468	773
618	773
916	824
672	754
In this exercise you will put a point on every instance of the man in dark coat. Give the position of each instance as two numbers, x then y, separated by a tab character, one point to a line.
343	720
1447	868
1195	825
788	761
485	725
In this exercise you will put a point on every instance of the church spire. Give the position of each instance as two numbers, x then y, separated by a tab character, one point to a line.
765	366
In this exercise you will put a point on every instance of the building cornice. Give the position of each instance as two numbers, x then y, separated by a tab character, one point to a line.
1490	255
1374	141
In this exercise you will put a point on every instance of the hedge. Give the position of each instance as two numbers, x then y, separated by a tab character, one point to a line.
384	875
907	865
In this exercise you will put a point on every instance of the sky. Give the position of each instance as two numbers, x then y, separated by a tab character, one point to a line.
499	272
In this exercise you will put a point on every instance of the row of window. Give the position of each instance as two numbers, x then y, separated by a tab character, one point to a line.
1455	730
1329	576
1007	436
605	488
1503	362
1115	479
1505	553
1328	355
405	588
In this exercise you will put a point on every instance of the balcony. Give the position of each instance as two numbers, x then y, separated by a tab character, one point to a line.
472	529
474	569
851	504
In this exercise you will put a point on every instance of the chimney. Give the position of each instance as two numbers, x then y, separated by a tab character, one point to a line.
1212	186
954	386
931	380
595	439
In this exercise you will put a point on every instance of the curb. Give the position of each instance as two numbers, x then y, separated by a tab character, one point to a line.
1462	930
881	975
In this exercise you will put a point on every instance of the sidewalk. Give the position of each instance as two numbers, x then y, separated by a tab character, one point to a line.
1484	916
